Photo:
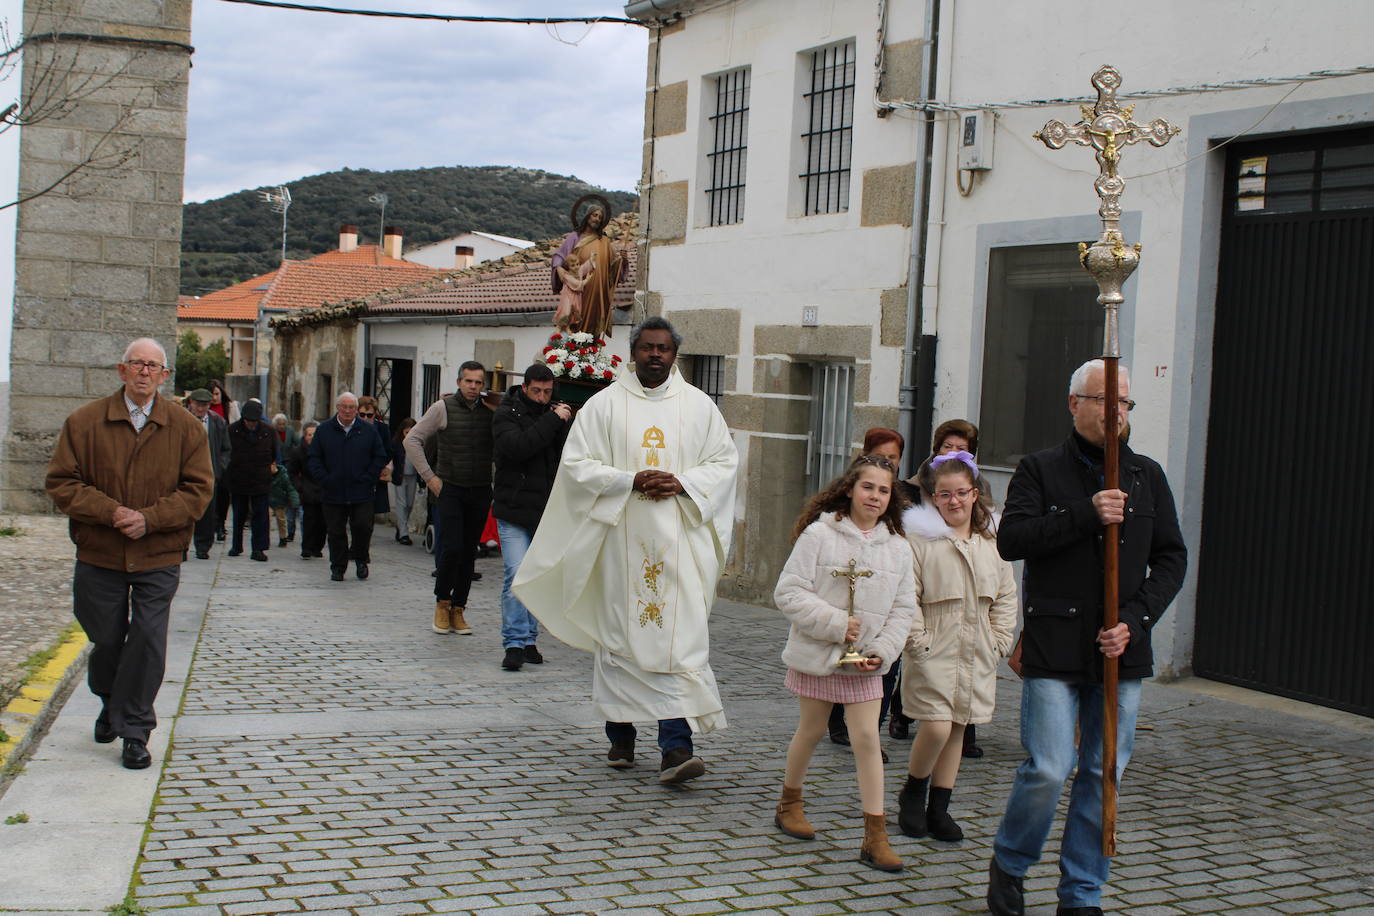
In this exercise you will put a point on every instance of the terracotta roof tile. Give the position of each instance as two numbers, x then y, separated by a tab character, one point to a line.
525	288
233	303
309	284
363	255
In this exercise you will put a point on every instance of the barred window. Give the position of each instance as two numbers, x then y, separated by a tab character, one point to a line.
832	422
729	127
829	130
429	386
708	374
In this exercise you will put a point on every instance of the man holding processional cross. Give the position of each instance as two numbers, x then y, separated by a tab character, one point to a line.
1096	526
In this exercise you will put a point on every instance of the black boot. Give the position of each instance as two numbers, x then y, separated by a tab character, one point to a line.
971	748
941	825
911	807
839	730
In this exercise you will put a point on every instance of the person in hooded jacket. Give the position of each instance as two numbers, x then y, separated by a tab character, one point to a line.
528	433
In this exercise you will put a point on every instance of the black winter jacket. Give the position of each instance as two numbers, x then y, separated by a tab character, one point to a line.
528	442
346	465
1049	522
298	466
251	453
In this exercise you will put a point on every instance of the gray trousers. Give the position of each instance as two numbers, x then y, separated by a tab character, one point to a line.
125	618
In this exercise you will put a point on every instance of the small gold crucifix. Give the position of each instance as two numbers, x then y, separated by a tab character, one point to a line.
853	574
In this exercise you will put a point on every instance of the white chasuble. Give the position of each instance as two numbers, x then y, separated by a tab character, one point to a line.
631	579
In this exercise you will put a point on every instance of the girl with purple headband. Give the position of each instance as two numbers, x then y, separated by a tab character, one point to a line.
967	598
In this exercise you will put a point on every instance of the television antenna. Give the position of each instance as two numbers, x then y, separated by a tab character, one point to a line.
380	199
279	199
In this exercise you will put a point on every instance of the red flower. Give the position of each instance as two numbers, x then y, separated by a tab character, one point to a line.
600	342
556	336
547	349
569	364
551	359
608	374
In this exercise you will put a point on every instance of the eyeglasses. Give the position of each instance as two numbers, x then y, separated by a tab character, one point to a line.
955	496
1124	402
877	461
366	416
139	365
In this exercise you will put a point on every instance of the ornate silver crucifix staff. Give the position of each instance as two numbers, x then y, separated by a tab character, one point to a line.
1107	127
853	574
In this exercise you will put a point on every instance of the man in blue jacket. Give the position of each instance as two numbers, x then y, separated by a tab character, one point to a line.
1057	507
345	459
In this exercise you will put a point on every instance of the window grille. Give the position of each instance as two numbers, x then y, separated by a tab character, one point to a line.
381	385
729	147
708	374
830	127
832	422
429	387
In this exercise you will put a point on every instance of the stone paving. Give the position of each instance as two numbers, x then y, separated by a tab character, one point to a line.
35	591
334	756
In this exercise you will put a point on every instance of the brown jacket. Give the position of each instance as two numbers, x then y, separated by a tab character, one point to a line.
100	464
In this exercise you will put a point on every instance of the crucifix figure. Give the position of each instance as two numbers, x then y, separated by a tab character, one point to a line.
1108	128
853	574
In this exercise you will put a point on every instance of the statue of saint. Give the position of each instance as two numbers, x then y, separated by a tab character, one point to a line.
586	270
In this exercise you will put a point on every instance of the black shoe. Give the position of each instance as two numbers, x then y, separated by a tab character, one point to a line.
679	766
621	756
938	821
135	756
1078	911
202	555
434	573
281	542
305	554
362	570
911	807
235	551
971	748
319	555
259	556
839	734
220	535
1006	895
104	733
405	539
515	658
336	574
532	655
476	577
899	727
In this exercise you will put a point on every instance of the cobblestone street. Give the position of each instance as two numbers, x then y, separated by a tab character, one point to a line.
331	754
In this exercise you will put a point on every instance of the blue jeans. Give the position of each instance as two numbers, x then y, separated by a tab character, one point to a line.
1049	710
671	733
518	626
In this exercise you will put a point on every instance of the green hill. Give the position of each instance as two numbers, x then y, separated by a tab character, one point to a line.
239	236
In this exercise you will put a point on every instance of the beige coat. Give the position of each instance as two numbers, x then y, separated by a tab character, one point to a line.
816	602
967	598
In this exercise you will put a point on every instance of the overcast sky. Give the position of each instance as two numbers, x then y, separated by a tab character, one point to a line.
277	95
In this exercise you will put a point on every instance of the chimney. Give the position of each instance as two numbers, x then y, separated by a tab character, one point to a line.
391	241
462	256
348	237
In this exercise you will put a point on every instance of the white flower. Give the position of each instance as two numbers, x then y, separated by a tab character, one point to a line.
581	337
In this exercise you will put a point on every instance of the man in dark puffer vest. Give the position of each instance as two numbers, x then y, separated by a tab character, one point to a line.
460	480
529	433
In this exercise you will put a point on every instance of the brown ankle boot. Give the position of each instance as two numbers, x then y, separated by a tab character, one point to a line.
460	625
790	818
441	621
876	851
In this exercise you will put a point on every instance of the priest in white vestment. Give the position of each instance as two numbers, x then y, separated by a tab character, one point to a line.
625	562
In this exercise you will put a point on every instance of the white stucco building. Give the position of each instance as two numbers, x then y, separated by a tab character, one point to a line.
466	249
1244	326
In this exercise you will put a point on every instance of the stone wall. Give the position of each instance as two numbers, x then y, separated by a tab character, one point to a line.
98	245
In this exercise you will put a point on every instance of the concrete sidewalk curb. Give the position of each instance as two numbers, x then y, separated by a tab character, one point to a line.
40	699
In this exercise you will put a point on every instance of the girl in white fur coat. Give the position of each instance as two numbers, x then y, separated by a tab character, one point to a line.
968	601
853	525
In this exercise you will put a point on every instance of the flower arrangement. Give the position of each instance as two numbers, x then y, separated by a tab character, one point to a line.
580	356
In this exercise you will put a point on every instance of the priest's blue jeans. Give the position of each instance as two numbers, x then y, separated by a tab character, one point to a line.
1050	709
518	626
671	733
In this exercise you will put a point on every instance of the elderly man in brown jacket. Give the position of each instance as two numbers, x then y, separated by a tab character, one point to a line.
132	471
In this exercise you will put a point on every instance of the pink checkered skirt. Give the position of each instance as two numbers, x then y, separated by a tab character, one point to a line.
835	688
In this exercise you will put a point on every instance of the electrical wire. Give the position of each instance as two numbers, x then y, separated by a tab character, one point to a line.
1225	86
441	17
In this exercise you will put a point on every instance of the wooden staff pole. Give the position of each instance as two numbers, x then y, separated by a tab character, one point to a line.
1111	591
